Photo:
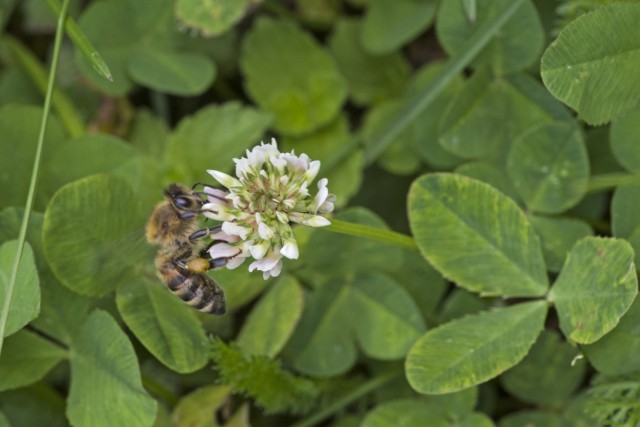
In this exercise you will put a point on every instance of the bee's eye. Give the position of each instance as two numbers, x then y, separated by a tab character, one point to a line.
182	202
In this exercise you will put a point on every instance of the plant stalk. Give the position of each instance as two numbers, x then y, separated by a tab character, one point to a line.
386	236
34	174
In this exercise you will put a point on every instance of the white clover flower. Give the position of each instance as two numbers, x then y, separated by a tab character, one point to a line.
270	191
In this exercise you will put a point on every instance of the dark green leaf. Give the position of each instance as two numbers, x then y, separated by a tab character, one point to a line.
558	235
37	405
371	79
424	129
624	145
615	353
593	74
211	138
240	286
273	319
163	323
92	234
24	304
321	344
344	176
548	375
149	134
19	126
491	174
625	211
517	45
461	303
489	113
476	236
106	389
289	75
598	277
122	31
89	154
62	311
176	73
389	25
400	157
424	284
549	167
386	321
26	358
474	349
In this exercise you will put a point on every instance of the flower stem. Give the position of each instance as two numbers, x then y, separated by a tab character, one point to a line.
34	174
611	180
360	230
366	388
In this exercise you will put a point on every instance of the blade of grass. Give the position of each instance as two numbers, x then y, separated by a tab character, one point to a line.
421	100
67	112
34	174
82	42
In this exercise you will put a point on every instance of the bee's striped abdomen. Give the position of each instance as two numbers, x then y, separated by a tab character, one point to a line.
197	290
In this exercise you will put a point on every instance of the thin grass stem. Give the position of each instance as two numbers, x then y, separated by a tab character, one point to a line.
34	174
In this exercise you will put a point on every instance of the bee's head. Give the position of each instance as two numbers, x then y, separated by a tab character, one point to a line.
163	221
182	198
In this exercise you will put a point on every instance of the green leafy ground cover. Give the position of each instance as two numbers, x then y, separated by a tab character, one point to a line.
496	139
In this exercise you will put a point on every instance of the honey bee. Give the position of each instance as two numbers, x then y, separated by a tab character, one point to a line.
181	262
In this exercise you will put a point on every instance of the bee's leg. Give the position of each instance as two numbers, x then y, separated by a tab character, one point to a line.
187	215
202	264
205	232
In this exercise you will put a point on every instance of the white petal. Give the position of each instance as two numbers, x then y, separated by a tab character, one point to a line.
303	191
295	164
317	221
266	263
235	262
327	207
290	249
223	250
322	183
217	212
243	168
221	235
265	231
275	271
259	250
320	198
224	179
238	230
278	162
215	194
314	168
